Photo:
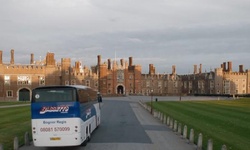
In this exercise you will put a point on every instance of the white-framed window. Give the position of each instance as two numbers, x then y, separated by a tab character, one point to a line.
41	80
7	80
87	83
73	82
159	84
23	80
9	93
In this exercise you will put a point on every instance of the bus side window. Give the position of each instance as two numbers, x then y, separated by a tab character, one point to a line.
83	98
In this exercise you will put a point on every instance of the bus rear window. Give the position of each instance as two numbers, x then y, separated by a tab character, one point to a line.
54	95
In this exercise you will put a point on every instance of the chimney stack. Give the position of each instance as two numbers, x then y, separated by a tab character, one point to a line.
130	61
200	70
195	69
224	66
151	69
99	60
241	69
1	57
230	66
122	62
173	69
109	64
32	58
12	56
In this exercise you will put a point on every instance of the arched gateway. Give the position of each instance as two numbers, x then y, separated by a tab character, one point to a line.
24	94
120	89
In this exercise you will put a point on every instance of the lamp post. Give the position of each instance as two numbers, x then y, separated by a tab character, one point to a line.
151	101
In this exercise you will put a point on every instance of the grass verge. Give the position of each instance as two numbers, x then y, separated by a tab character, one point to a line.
226	122
12	103
14	121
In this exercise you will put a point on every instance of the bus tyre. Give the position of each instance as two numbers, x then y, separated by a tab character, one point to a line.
89	138
84	143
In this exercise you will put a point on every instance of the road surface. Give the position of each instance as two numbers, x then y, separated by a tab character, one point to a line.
127	125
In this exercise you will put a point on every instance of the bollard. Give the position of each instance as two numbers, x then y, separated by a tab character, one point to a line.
155	114
175	126
168	121
224	147
16	144
159	115
199	143
171	123
1	147
185	132
210	144
26	139
179	128
191	136
164	119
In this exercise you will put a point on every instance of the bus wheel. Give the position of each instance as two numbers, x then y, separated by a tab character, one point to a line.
84	143
89	138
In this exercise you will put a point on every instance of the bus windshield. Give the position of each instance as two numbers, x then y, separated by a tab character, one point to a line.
54	95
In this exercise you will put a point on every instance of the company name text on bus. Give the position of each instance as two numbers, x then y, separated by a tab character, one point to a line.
61	109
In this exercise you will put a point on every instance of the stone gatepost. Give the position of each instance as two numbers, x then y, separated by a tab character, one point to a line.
199	143
191	136
16	143
164	119
175	126
224	147
185	132
168	121
179	128
26	139
171	123
210	144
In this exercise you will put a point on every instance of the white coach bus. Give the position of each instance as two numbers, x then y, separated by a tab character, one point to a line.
64	115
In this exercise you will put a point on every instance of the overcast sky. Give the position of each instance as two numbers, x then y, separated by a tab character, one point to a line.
161	32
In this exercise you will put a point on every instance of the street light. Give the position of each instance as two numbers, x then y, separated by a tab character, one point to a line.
151	101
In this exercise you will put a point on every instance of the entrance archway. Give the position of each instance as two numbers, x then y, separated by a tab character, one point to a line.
120	89
24	95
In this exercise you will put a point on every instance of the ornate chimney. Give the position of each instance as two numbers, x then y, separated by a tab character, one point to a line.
12	57
32	58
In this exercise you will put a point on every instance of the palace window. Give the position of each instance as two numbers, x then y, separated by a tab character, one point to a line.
73	82
23	80
87	83
159	84
9	93
41	81
66	82
7	80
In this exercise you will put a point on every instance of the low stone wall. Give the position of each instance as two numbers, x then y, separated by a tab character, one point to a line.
179	129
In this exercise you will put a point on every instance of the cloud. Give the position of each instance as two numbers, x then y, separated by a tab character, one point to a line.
163	32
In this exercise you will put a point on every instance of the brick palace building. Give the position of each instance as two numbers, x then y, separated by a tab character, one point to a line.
116	78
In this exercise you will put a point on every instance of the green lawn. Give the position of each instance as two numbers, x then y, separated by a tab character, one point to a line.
14	121
226	122
12	103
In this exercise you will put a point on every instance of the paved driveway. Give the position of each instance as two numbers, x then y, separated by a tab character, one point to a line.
127	125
